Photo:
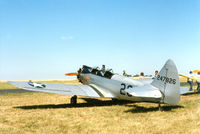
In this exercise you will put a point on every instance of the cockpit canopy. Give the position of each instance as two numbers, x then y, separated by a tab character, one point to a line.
96	71
86	69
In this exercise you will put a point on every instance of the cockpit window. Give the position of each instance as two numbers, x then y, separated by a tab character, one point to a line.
108	74
100	73
86	69
94	71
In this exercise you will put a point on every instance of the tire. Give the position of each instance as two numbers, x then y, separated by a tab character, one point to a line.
74	100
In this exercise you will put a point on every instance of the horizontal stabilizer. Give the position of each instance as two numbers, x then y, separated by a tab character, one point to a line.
183	90
144	91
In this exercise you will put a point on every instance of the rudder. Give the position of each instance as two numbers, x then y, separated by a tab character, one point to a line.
168	83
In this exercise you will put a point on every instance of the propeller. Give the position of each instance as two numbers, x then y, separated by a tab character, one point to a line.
77	74
72	74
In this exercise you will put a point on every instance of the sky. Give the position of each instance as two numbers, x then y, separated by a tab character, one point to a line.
44	39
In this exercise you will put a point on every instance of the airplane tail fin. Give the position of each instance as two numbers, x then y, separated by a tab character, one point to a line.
168	83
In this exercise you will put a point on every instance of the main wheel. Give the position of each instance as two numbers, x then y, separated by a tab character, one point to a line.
73	100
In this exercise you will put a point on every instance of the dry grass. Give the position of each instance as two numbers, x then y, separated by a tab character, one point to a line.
5	85
50	113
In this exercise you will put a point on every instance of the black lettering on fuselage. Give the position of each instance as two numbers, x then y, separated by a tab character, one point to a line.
166	79
122	92
122	89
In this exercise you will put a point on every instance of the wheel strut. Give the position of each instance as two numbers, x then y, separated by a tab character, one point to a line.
159	107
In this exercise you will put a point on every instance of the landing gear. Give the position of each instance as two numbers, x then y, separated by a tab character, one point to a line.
73	100
159	107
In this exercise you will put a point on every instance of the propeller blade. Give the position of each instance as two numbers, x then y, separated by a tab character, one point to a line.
72	74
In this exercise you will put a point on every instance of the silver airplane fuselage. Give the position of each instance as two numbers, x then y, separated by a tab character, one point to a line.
116	86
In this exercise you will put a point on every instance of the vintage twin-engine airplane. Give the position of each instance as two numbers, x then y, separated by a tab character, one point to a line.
165	88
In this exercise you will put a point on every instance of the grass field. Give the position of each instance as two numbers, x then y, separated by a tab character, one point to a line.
51	113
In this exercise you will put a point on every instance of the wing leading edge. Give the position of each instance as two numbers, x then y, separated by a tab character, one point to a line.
193	78
80	90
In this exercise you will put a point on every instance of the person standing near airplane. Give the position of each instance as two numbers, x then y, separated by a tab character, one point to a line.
198	82
141	75
156	74
124	73
190	81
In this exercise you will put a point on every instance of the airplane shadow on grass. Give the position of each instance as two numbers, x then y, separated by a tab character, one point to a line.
141	109
91	102
191	93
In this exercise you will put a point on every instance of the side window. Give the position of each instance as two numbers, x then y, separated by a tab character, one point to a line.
86	69
108	74
94	71
100	73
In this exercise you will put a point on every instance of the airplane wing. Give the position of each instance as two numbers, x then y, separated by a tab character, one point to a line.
80	90
193	78
183	90
195	71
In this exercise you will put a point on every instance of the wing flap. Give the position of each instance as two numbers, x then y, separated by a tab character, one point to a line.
81	90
